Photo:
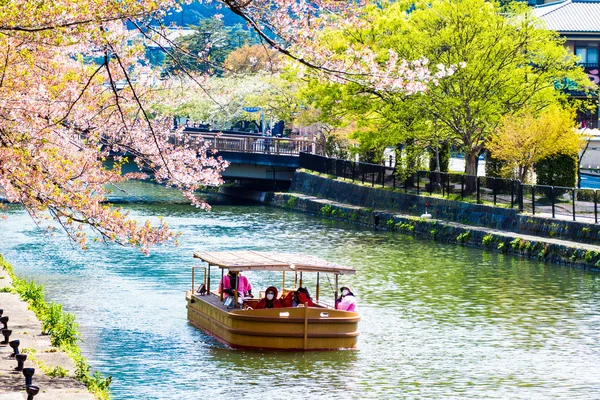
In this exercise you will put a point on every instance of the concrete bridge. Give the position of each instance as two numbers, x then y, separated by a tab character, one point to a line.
262	162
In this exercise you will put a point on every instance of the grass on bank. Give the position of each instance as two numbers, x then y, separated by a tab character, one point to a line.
62	329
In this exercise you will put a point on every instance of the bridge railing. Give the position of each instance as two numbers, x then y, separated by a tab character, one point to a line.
254	144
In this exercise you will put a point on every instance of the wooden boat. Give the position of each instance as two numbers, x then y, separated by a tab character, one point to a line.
292	328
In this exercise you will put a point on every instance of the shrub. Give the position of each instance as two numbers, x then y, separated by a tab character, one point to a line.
559	170
291	202
487	240
326	210
405	227
590	255
463	237
516	243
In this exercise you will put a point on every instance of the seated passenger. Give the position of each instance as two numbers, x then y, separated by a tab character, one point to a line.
300	296
229	282
347	302
270	300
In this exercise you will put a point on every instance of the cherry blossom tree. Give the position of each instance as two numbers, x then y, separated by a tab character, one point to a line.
74	90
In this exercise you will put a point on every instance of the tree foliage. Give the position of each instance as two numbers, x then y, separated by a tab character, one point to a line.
557	170
75	88
207	48
524	139
496	60
252	59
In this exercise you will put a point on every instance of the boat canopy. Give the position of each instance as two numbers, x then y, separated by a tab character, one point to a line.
266	261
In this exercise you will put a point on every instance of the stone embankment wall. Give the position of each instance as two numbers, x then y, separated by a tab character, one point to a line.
497	229
506	219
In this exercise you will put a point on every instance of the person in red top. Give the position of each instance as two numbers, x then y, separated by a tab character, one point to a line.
270	300
300	296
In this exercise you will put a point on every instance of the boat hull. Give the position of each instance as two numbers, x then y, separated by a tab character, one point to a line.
300	328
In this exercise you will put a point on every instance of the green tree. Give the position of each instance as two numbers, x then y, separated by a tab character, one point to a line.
526	138
502	61
207	49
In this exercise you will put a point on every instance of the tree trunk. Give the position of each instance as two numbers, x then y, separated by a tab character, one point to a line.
471	163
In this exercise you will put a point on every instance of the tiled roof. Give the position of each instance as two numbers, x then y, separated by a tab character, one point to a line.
571	16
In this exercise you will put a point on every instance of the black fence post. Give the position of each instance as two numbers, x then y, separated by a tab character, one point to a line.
441	177
553	200
394	179
520	195
477	186
372	178
406	185
573	196
512	193
462	187
418	188
533	199
596	206
363	173
383	176
353	170
430	184
494	189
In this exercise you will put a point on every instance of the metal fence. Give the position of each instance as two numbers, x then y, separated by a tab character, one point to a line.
250	144
551	201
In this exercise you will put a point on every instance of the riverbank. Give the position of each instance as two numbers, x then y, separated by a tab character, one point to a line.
531	237
56	373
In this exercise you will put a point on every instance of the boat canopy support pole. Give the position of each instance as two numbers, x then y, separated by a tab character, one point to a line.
282	282
237	289
300	278
208	279
221	287
336	286
193	271
318	288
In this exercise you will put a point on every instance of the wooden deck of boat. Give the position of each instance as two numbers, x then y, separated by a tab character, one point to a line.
215	300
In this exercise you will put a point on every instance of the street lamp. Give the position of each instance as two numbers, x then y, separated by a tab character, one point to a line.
262	116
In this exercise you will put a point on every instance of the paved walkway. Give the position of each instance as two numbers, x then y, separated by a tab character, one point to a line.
515	235
27	329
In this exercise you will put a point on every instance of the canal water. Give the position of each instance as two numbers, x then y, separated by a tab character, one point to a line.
438	321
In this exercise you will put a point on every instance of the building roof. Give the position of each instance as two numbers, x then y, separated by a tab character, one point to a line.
578	16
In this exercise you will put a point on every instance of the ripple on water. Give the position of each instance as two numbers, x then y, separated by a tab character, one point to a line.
438	321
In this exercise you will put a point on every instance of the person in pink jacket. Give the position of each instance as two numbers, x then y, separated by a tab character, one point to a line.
347	302
231	281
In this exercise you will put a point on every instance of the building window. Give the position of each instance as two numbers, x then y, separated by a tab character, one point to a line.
588	56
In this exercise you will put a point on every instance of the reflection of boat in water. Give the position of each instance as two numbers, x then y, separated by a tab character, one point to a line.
292	328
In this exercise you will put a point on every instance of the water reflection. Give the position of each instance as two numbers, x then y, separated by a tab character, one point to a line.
437	320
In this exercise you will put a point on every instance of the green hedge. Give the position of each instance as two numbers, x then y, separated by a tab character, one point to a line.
559	170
